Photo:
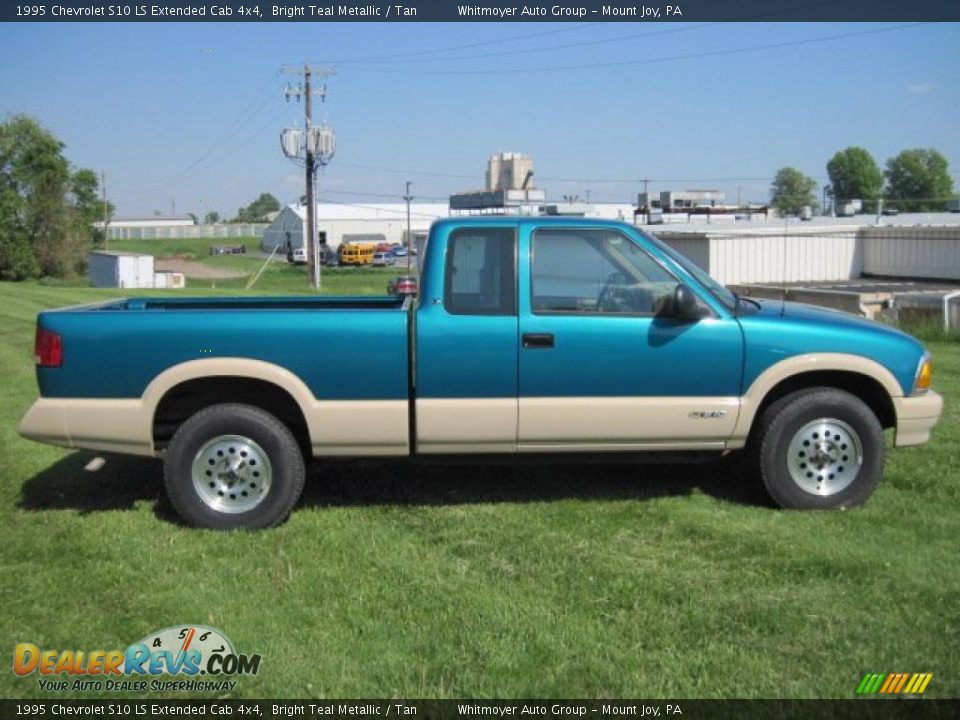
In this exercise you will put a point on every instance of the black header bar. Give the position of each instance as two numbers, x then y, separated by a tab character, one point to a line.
874	709
319	11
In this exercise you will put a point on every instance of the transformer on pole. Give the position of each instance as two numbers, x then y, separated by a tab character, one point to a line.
317	146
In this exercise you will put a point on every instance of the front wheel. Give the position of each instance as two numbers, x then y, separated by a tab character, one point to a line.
233	466
819	448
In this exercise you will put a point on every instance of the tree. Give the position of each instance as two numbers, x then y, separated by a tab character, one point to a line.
84	189
211	217
855	175
919	180
791	191
42	231
258	210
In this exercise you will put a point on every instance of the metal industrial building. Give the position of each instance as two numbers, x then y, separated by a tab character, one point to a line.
914	245
338	223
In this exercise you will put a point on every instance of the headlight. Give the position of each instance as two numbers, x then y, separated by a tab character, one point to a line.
921	382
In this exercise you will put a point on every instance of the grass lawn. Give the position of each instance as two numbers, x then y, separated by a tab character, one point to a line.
561	580
278	277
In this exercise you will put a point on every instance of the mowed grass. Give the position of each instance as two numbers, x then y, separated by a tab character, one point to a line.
563	580
278	276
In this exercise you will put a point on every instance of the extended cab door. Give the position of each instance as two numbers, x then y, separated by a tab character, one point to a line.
599	369
466	341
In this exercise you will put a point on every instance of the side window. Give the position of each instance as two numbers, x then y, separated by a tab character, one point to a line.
596	271
480	274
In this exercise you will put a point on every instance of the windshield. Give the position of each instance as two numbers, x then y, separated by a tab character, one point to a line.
722	294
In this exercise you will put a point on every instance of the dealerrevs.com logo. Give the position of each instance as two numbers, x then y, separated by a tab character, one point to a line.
183	650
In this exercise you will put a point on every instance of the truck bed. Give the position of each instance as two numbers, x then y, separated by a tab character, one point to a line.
344	348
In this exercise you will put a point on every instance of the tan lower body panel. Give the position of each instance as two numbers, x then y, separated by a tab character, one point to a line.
621	424
120	426
916	416
616	424
356	427
359	427
466	425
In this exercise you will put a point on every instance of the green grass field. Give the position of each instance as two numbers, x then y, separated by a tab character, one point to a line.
563	580
278	277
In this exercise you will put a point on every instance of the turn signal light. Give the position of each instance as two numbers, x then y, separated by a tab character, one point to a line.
48	349
924	375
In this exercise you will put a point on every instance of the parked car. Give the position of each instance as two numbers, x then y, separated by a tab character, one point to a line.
228	249
383	259
329	256
399	251
402	285
532	335
297	256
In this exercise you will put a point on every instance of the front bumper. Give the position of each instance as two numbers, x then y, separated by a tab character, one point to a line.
916	416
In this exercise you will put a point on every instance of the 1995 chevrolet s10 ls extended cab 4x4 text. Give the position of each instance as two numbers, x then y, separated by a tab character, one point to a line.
530	335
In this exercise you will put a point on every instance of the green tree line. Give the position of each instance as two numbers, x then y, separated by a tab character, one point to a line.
47	208
915	180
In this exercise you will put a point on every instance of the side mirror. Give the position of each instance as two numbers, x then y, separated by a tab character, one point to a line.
685	303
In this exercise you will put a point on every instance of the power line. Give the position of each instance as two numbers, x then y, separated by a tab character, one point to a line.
654	60
600	41
548	48
433	173
241	119
480	43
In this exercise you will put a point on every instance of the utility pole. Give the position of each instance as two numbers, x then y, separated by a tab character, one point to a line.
106	214
310	147
312	251
408	197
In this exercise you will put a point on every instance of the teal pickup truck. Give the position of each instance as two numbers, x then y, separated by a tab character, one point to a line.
529	335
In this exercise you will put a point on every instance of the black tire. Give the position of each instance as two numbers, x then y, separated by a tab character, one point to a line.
797	461
280	471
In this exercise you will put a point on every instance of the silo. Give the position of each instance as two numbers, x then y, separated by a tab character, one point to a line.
493	172
521	171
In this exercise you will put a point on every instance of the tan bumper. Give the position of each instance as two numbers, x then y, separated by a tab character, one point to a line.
916	416
121	426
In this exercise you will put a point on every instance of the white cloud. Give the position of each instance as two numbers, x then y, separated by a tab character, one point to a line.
924	88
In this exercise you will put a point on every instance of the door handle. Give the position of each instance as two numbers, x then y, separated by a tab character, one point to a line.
538	341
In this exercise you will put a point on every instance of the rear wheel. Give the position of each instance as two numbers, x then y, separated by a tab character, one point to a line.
233	466
819	448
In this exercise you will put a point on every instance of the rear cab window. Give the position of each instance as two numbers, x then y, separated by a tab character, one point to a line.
480	276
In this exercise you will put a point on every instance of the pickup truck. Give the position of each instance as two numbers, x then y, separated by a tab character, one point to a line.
529	335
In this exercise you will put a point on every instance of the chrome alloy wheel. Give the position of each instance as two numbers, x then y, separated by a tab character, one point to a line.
825	456
231	474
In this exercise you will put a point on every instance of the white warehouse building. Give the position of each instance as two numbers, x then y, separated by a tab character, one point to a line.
339	223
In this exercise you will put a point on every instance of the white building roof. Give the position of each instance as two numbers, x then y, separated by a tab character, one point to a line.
724	225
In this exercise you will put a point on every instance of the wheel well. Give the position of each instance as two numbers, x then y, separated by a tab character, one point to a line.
189	397
870	391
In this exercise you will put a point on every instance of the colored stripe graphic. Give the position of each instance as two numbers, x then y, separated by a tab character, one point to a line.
894	683
903	681
887	682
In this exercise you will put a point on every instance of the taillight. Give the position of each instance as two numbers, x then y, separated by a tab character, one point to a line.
48	349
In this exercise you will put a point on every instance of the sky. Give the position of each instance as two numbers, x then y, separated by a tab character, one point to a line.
185	117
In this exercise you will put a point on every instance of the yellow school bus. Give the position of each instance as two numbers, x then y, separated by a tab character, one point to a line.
357	253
